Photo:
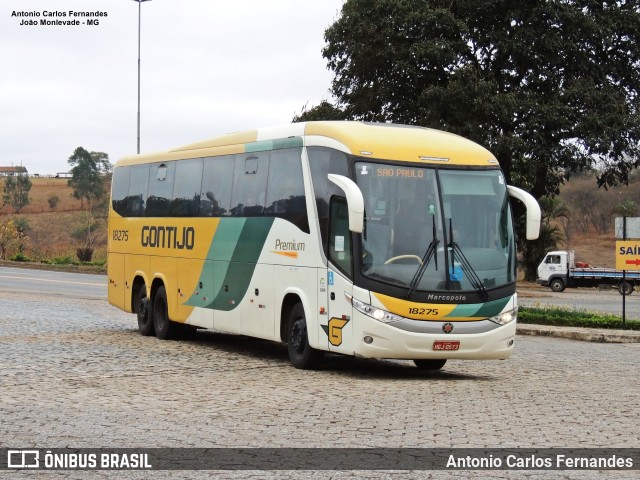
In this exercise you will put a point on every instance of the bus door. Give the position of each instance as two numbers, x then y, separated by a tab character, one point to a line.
339	326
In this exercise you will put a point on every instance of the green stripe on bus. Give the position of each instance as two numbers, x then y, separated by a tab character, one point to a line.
488	309
277	144
231	261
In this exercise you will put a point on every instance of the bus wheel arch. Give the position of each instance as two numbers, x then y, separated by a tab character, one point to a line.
301	354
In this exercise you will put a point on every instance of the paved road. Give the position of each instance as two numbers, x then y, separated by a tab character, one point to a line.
591	299
45	282
74	372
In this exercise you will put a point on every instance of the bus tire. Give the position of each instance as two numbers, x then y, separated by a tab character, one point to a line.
430	363
557	285
165	328
141	308
301	354
625	288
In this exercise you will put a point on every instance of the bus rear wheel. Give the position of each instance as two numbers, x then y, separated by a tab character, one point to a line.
165	328
141	308
430	364
301	354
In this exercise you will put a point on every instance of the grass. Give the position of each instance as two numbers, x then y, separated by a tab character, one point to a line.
565	317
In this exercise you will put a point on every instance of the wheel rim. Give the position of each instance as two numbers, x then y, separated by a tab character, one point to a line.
297	336
160	314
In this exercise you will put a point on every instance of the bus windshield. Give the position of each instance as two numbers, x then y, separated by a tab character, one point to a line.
436	229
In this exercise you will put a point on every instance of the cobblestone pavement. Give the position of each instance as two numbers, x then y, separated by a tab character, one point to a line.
75	373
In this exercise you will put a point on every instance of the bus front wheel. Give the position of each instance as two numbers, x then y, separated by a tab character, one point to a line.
141	308
301	354
430	364
165	328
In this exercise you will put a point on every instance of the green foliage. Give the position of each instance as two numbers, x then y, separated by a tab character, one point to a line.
19	257
323	111
53	201
86	179
63	260
16	190
88	173
547	86
9	237
573	318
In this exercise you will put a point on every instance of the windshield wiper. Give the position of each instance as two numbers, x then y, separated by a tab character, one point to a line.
426	258
465	264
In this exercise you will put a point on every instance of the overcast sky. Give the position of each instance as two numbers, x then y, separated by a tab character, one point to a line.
208	67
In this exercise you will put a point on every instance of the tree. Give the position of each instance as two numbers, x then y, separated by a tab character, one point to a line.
88	182
324	111
16	191
9	237
549	87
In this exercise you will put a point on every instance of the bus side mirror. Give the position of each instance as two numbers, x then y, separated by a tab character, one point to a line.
534	215
355	201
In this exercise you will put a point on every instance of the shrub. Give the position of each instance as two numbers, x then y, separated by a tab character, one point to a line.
573	318
19	257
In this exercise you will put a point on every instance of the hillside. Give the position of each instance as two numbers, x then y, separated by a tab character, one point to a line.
50	230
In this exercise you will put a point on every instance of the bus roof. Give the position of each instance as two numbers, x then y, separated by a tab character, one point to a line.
368	140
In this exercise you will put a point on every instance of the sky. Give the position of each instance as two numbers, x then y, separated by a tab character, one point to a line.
208	67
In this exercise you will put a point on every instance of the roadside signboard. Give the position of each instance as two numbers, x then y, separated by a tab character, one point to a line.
628	255
633	227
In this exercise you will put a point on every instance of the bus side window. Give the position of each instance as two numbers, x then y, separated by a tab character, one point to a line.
217	180
120	190
161	177
339	235
250	184
285	189
137	198
186	188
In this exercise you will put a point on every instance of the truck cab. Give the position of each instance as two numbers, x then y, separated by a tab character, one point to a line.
553	271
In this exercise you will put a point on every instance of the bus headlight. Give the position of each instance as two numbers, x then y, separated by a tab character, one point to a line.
373	312
505	317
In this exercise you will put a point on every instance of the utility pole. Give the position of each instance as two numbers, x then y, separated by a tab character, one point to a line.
139	23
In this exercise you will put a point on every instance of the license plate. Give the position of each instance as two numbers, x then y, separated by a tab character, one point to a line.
446	345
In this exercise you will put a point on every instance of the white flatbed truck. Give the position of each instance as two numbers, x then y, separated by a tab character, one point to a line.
558	270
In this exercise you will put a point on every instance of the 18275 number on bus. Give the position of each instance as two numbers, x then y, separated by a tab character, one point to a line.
120	235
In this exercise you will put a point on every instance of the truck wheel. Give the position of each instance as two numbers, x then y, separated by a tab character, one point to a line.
557	285
625	288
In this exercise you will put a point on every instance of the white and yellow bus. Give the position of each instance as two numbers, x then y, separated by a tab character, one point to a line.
374	240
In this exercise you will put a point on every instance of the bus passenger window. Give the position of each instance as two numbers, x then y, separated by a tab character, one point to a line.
217	179
137	198
285	191
120	190
186	189
161	177
250	184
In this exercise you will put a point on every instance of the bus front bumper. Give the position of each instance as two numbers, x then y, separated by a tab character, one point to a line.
373	339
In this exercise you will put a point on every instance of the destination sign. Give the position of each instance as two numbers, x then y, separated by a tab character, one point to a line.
628	255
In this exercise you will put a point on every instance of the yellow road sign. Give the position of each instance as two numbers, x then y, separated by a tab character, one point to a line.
628	255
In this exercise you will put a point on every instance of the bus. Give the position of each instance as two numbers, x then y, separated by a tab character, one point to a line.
366	239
